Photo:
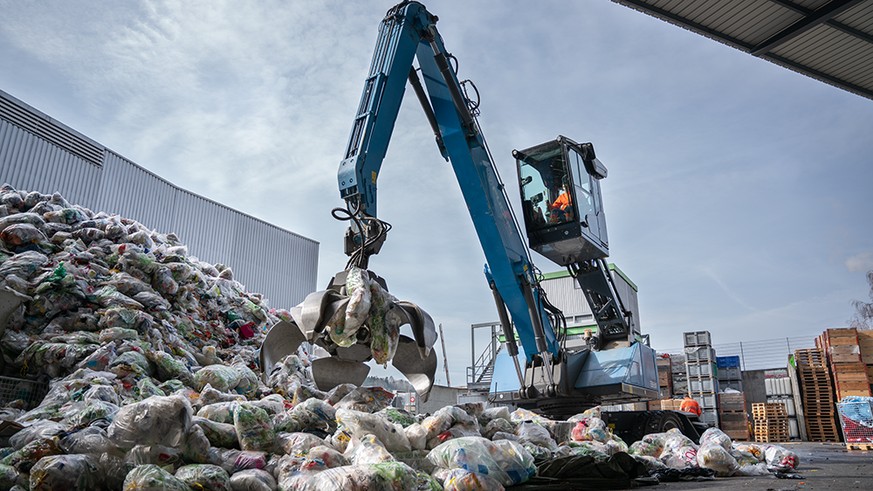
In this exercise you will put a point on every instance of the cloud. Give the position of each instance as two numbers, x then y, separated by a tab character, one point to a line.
860	263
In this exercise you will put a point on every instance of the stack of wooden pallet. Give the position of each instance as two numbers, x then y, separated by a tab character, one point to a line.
817	395
665	378
843	350
733	419
865	342
771	422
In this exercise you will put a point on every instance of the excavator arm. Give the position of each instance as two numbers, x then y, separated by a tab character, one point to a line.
548	370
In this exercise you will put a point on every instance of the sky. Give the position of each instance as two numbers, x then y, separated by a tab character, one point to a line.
739	193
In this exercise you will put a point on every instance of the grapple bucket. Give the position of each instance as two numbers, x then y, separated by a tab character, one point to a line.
322	315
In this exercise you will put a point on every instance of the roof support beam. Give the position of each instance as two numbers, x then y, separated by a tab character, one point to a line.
814	19
851	31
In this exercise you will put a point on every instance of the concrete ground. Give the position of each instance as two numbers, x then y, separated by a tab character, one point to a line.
822	465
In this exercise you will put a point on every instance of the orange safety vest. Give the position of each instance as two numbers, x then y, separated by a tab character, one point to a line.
690	406
562	201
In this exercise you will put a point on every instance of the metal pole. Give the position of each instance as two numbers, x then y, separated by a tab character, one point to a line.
742	356
445	360
472	351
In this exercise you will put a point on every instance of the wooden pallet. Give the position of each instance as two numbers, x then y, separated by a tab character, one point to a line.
771	437
805	358
863	447
769	410
822	429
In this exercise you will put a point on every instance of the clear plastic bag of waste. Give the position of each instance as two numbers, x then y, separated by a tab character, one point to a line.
681	457
712	455
652	445
154	454
530	432
360	424
37	430
154	421
308	415
780	459
366	450
465	480
417	436
504	460
715	435
204	476
27	456
219	434
297	443
8	476
591	428
252	480
76	471
366	399
90	440
254	428
152	478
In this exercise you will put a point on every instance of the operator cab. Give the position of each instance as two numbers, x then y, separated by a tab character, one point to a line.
561	203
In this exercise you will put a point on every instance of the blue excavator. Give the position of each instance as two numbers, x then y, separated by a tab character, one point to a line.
564	220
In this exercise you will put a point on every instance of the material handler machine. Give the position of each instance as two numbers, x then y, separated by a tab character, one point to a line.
564	220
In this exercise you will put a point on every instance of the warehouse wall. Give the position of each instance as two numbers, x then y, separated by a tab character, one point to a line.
563	291
40	154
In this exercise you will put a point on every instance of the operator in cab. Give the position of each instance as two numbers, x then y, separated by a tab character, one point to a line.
559	210
689	405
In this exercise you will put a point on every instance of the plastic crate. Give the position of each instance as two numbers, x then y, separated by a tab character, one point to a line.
729	373
31	392
697	338
702	370
730	384
706	401
709	416
703	385
699	354
856	419
727	361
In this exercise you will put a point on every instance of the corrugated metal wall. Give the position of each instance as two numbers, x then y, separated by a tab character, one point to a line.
267	259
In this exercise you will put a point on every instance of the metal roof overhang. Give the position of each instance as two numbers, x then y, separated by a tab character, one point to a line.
831	41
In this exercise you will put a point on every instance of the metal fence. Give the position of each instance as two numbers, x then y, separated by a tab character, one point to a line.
760	354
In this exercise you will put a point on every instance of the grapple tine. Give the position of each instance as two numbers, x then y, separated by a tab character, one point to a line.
317	309
422	326
282	340
331	371
419	371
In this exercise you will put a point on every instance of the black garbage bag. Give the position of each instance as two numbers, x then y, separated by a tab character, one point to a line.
620	471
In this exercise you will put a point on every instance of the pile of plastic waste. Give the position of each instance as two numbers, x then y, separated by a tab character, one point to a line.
151	356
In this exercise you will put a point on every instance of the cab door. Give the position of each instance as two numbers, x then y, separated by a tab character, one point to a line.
589	204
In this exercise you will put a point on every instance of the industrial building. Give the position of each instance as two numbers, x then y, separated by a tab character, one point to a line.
38	153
